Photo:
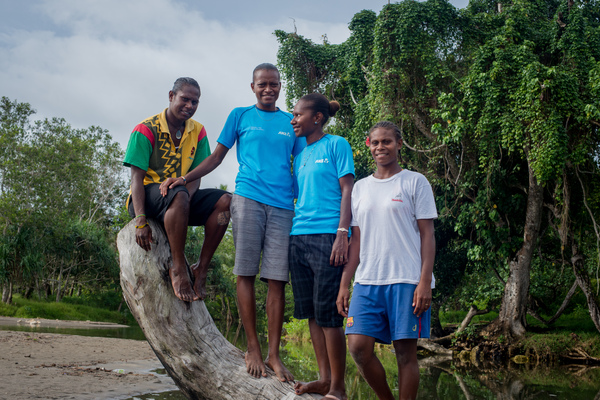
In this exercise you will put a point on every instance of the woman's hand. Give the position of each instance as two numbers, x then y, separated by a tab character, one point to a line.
339	250
343	301
170	183
421	299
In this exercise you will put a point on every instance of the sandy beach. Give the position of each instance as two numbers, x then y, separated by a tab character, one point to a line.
54	366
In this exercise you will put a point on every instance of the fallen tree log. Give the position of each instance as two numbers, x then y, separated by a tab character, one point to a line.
183	335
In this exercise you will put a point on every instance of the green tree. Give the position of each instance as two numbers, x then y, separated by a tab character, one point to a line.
499	106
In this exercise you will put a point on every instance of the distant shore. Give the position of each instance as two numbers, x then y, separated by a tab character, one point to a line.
53	366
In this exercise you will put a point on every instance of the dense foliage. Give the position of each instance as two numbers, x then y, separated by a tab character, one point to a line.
60	189
499	104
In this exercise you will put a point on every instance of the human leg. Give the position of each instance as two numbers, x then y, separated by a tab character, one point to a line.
336	354
176	223
361	348
275	311
215	227
408	368
249	220
275	270
247	308
321	385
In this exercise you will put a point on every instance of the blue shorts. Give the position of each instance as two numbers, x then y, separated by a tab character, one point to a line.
385	312
261	234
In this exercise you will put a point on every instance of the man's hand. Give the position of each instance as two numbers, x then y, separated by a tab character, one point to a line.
343	301
143	236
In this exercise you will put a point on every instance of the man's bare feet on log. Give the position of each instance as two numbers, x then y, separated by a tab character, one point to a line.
254	363
280	370
199	274
320	387
182	286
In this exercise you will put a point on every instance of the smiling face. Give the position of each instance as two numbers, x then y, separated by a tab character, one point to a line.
384	146
184	103
266	87
304	120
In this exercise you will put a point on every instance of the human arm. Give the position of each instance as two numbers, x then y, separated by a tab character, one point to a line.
143	236
343	299
422	296
206	166
339	250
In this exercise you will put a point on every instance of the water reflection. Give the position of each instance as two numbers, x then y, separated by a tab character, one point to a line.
440	378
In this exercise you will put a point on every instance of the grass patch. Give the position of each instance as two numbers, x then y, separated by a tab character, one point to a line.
66	310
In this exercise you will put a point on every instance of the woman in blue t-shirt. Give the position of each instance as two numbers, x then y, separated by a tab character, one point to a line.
324	174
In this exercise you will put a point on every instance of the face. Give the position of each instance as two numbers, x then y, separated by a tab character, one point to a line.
304	120
184	103
384	146
266	87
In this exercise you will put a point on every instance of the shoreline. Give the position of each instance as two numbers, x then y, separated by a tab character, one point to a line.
53	366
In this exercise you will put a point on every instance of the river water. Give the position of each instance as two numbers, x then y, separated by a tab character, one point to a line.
440	378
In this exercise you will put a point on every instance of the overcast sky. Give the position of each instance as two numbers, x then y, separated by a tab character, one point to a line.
111	63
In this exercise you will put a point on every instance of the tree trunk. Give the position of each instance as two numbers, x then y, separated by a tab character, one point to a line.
583	280
7	293
183	335
513	310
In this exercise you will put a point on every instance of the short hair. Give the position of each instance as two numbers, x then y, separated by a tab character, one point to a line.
184	81
388	125
265	67
319	103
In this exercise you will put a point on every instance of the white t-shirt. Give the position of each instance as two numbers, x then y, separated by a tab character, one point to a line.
386	211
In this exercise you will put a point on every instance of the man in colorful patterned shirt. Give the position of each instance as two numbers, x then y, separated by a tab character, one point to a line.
167	145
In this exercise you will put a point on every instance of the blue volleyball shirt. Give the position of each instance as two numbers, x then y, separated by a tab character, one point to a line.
317	170
265	144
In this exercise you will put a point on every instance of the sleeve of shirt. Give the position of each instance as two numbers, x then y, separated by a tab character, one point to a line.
229	133
139	150
344	158
353	221
424	200
202	150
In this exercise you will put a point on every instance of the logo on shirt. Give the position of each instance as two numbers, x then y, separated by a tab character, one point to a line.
415	328
193	151
285	133
398	197
349	322
322	161
255	128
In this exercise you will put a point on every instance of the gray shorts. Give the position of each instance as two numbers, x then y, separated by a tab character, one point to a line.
259	228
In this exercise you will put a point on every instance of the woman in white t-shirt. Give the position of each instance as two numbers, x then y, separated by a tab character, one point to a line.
391	259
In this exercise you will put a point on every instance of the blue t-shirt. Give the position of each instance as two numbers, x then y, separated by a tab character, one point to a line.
265	144
317	171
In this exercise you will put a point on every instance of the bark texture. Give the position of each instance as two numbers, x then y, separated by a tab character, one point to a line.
513	311
183	335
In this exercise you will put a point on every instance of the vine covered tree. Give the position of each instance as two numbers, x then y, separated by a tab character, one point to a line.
499	104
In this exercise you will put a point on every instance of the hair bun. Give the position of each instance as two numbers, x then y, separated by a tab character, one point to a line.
334	107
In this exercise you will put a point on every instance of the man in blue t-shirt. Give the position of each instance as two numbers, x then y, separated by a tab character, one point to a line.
262	209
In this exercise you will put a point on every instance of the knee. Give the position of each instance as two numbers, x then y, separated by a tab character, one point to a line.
360	353
180	202
224	202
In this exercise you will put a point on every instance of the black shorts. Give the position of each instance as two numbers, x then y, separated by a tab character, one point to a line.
201	206
315	282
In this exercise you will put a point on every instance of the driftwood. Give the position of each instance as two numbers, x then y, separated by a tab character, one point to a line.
183	335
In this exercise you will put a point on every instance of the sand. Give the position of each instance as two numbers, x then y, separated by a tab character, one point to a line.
54	366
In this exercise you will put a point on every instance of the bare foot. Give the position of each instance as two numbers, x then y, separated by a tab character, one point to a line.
199	274
320	387
180	280
336	396
280	370
254	364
